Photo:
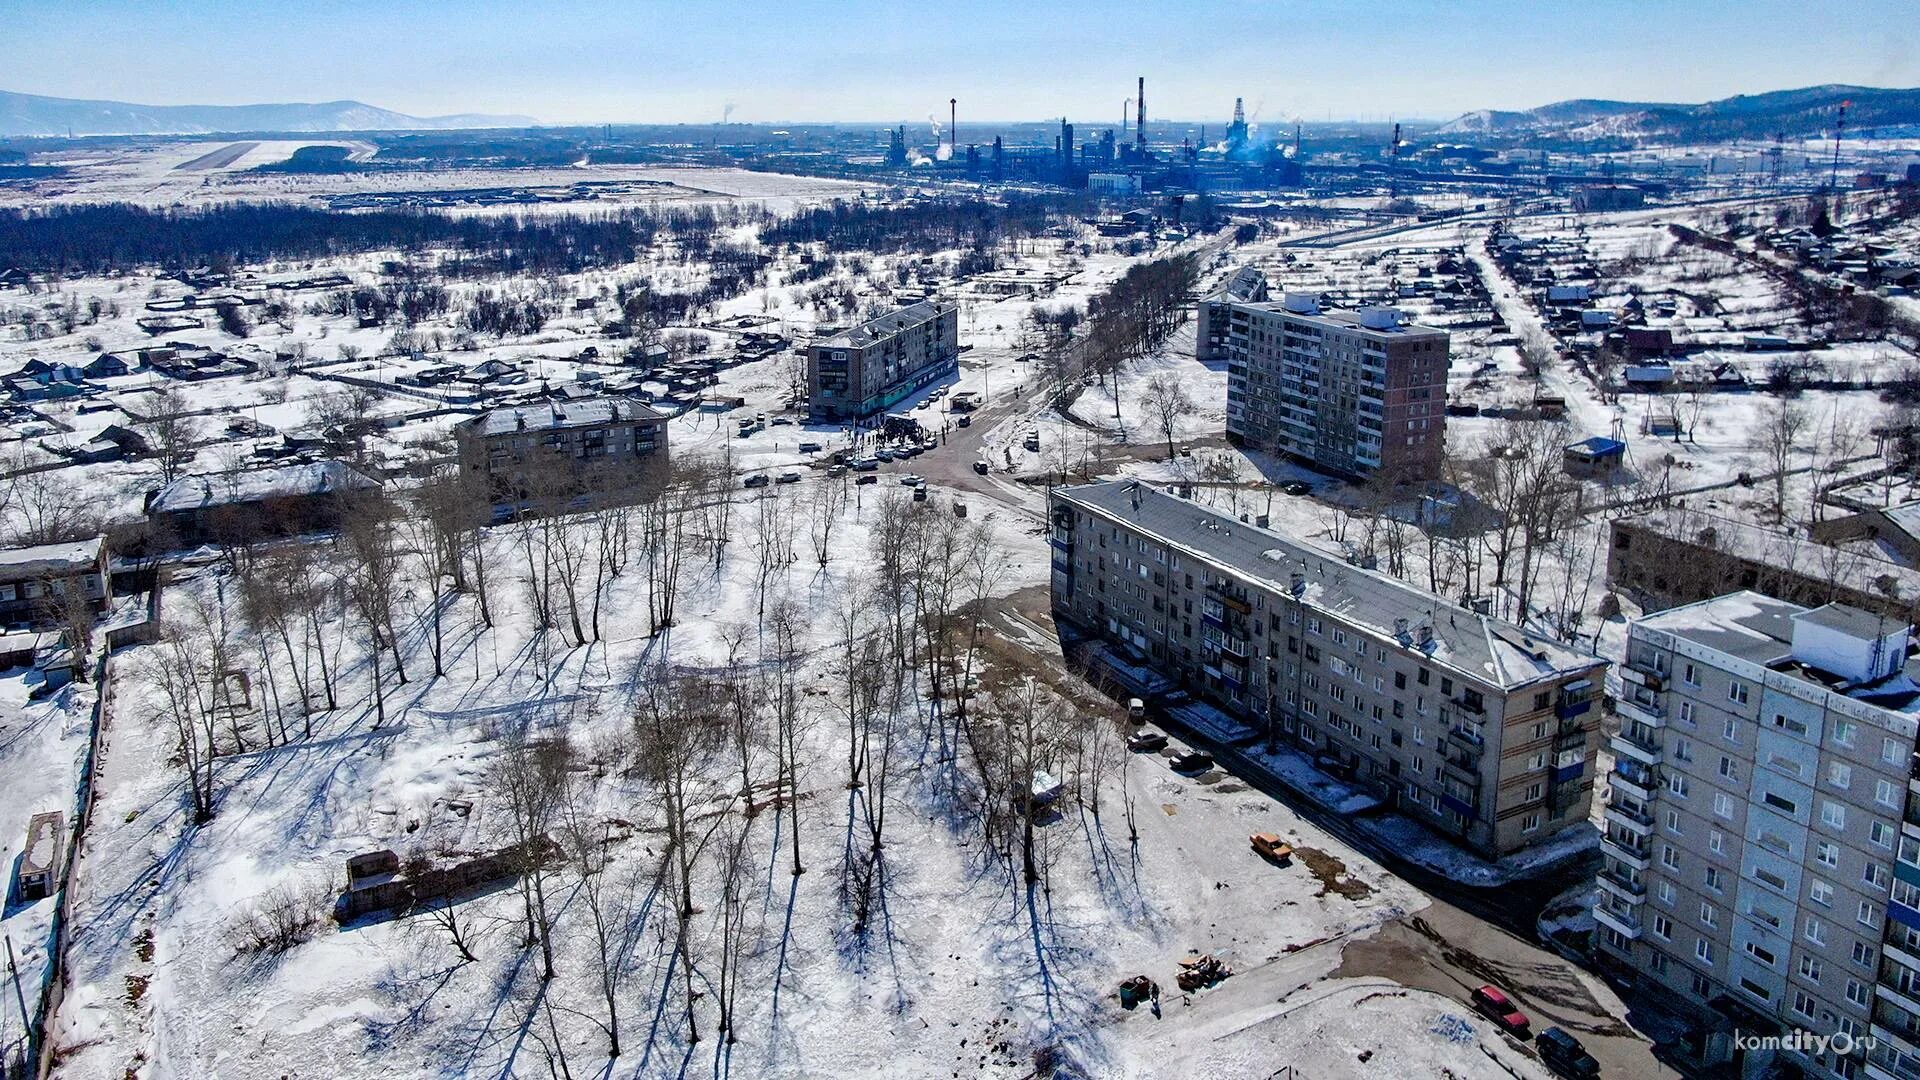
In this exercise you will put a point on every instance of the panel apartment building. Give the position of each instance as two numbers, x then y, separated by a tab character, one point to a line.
1347	392
610	444
859	372
1761	860
1481	731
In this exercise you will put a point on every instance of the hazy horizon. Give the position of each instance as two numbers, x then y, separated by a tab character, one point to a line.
863	62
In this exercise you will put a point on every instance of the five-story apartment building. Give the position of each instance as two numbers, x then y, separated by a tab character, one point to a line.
1476	728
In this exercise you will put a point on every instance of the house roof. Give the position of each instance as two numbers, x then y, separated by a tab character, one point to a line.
50	560
1479	646
259	485
1598	446
560	416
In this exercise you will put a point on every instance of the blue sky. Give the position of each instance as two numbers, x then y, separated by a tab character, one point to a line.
857	60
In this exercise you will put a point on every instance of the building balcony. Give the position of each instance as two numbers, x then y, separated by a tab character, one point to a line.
1648	677
1636	747
1627	785
1628	890
1230	598
1639	858
1471	706
1637	822
1653	716
1626	926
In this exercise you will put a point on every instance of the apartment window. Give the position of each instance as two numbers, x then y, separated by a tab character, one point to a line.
1892	752
1737	692
1663	928
1839	774
1715	840
1858	993
1821	893
1728	770
1825	853
1780	802
1703	951
1833	815
1862	954
1815	931
1885	793
1869	913
1690	674
1682	750
1423	676
1670	856
1881	834
1788	725
1673	822
1686	713
1730	731
1665	892
1844	732
1713	879
1810	969
1530	822
1762	954
1534	791
1677	784
1803	1003
1701	987
1723	805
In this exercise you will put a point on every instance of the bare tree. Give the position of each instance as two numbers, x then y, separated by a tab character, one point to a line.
172	432
1167	403
1777	437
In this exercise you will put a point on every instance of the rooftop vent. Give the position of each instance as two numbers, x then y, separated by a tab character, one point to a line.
1379	318
1303	303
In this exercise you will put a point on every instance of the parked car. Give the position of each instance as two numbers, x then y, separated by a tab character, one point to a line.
788	478
758	480
912	480
1564	1055
883	454
920	493
836	470
911	450
1295	487
865	464
1136	710
981	466
810	447
1270	846
1496	1006
1192	761
1032	441
780	420
1141	742
965	420
867	478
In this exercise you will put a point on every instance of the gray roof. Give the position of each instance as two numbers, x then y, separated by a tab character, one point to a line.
1479	646
43	560
1759	630
562	415
893	322
282	482
1746	540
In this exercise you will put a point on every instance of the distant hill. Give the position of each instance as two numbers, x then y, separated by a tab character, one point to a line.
1795	113
31	114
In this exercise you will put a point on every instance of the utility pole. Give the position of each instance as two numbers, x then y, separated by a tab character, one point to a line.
1839	129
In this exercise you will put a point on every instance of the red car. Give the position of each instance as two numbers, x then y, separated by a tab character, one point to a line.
1496	1006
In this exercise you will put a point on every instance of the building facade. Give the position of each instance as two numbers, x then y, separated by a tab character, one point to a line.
34	581
1680	556
1352	393
606	445
1761	860
859	372
1475	728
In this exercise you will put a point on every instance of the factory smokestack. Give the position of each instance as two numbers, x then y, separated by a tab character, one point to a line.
953	124
1140	117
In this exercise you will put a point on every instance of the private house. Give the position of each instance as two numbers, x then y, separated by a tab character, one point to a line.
33	579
